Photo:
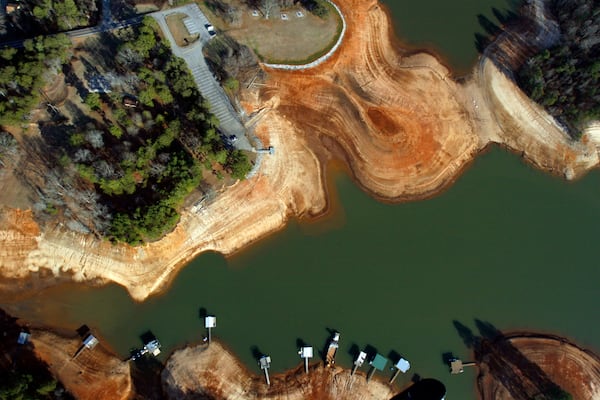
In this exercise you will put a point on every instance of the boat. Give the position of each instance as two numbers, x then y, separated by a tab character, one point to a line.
332	349
153	347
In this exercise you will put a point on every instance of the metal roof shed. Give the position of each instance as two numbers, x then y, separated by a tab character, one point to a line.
90	341
23	337
378	362
210	322
403	365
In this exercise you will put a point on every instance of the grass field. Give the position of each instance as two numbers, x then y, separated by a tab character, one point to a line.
178	29
293	41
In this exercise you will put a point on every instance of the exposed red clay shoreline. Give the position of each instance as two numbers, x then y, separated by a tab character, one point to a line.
399	123
575	370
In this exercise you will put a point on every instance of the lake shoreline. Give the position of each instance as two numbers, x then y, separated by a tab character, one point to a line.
198	369
399	123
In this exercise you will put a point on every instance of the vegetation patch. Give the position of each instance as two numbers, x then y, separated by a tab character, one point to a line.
565	79
35	17
133	140
25	71
179	31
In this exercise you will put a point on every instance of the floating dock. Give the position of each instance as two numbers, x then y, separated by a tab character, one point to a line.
152	347
265	364
360	360
306	353
210	321
457	366
401	366
378	363
334	344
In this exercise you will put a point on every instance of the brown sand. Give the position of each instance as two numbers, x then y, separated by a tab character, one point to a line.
213	372
575	370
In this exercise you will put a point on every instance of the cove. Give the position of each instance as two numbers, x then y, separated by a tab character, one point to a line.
446	27
505	244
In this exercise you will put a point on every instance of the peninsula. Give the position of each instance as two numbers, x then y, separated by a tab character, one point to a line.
399	122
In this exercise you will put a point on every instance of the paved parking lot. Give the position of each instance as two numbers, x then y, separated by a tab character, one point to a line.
208	86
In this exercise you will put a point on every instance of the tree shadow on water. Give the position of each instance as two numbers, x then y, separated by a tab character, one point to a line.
506	364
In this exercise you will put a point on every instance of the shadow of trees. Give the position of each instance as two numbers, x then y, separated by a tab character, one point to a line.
523	379
517	35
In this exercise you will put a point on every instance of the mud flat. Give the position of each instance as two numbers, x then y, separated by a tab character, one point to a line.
402	126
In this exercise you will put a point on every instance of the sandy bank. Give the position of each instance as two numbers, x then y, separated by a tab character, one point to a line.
212	372
401	125
94	374
575	370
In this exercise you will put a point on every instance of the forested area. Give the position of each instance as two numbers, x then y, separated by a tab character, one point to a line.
118	164
146	164
23	72
565	79
35	17
22	374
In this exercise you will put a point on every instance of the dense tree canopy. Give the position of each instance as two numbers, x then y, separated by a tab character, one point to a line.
566	78
24	72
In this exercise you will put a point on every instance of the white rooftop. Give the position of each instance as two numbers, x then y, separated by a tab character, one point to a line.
265	362
90	341
403	365
153	347
306	352
360	360
23	337
210	321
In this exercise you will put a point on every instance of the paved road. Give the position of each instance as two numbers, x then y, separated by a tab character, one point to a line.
106	24
209	87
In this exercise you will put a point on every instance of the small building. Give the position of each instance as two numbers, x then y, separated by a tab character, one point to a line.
456	366
360	360
403	365
99	84
130	101
12	7
306	352
378	363
265	364
90	341
23	337
210	322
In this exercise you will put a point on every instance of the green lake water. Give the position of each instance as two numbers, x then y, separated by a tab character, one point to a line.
506	244
446	27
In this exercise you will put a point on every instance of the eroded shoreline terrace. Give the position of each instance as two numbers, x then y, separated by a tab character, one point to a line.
401	124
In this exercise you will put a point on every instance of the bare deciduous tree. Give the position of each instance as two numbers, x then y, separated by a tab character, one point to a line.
94	138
